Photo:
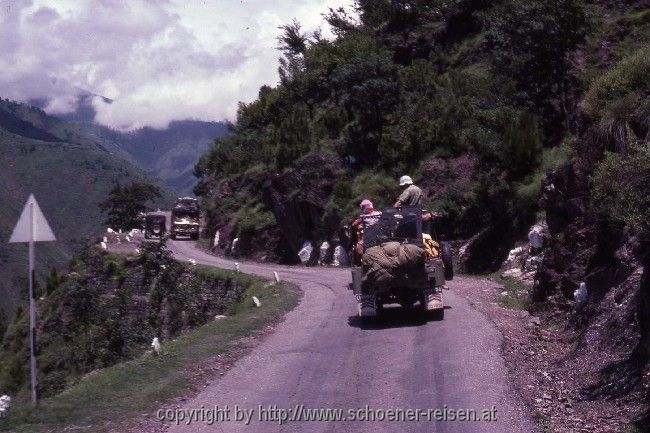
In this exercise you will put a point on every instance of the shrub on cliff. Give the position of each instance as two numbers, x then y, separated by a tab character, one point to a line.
620	187
619	101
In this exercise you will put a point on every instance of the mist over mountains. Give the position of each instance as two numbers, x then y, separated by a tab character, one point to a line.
69	172
169	154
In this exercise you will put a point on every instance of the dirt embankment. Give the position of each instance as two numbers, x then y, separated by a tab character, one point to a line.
583	367
540	352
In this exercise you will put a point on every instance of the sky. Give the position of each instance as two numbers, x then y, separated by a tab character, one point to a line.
157	60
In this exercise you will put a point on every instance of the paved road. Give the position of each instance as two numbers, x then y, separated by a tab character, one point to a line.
322	357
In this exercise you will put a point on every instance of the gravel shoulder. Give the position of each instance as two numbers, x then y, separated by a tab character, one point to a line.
537	353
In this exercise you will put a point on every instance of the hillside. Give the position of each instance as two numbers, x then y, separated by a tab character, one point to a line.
475	101
97	287
69	174
505	113
168	154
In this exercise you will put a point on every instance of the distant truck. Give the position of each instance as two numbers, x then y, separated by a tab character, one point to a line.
188	202
185	218
155	225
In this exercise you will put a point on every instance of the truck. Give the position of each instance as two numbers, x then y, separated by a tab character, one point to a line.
155	225
400	265
185	218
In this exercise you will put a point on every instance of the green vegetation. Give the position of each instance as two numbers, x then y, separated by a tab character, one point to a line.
69	175
106	310
125	203
630	204
619	101
518	87
517	295
407	82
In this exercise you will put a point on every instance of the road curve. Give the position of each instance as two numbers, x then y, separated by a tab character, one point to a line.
321	357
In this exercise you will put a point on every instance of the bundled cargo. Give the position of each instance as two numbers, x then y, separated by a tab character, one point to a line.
393	264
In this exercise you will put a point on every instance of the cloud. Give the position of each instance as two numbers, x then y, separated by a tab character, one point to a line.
158	61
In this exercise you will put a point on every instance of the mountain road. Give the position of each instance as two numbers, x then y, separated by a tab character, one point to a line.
322	370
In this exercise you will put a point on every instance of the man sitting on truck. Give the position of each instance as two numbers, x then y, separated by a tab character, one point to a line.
412	194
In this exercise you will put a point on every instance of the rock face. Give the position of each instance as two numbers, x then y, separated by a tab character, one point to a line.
297	199
613	328
266	245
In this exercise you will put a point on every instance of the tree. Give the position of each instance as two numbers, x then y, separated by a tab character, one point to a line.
531	41
292	41
125	203
522	147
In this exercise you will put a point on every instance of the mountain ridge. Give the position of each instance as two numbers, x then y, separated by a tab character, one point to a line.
69	174
168	153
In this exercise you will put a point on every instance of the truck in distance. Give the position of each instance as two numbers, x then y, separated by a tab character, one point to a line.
155	225
185	218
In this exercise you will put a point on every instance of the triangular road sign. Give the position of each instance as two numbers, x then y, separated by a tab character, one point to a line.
32	225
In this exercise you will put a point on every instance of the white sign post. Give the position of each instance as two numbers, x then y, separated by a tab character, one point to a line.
32	227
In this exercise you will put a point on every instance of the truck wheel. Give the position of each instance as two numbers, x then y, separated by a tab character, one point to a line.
438	314
447	260
173	236
195	236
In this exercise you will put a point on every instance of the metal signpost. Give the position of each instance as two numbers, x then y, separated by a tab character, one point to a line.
32	227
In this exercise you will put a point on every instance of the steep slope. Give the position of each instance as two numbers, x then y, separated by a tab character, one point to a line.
69	174
506	113
169	153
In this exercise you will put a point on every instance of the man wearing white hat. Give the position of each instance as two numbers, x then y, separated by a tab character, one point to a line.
412	194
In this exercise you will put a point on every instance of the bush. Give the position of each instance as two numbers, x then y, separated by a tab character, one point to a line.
522	147
620	102
620	188
253	217
628	78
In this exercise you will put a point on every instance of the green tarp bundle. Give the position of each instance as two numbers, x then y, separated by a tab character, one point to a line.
393	264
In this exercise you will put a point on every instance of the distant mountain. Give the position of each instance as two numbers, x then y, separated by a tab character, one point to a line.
69	172
169	154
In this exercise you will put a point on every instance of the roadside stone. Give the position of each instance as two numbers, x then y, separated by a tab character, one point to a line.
534	321
512	273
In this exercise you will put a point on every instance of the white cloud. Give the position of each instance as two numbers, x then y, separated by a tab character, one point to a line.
158	61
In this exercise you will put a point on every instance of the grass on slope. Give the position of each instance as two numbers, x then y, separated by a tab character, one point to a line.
125	391
68	180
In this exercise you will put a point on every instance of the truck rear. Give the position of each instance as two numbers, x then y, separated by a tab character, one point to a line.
399	265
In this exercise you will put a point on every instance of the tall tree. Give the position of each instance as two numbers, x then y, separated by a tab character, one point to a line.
125	203
531	41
